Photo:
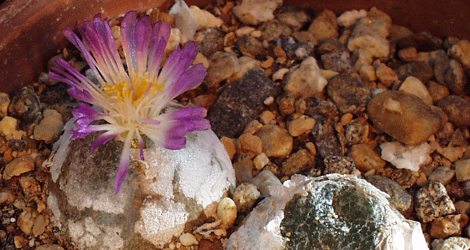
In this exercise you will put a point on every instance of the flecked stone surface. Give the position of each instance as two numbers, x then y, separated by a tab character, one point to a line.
432	202
457	109
451	243
240	102
306	80
450	225
365	157
277	142
405	117
349	93
399	197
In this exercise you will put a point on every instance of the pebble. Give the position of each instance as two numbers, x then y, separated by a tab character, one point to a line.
243	169
26	222
356	131
349	93
330	45
222	65
462	170
253	12
348	18
457	109
414	86
298	162
450	225
18	166
462	207
8	127
280	73
25	105
29	185
442	174
273	29
286	103
405	177
300	126
277	142
365	158
267	117
432	202
240	102
229	146
399	197
455	78
338	62
451	243
451	153
227	212
421	70
249	144
461	52
408	54
292	16
326	141
39	225
324	25
4	102
252	47
338	164
209	40
318	106
260	161
264	180
50	126
405	117
49	247
246	63
407	157
370	33
385	74
305	80
204	18
188	239
437	91
245	197
367	73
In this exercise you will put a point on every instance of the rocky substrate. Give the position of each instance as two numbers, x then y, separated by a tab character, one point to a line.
288	91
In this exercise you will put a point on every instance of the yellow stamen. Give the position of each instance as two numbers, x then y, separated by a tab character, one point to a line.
123	89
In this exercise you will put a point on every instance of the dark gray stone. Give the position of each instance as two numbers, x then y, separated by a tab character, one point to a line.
326	141
209	40
349	93
318	106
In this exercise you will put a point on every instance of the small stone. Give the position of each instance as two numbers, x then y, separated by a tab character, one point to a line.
462	207
455	78
365	158
286	103
19	241
451	153
450	225
370	33
457	109
229	146
204	18
442	174
252	47
260	161
277	142
349	93
437	91
39	225
338	62
50	127
264	180
386	75
209	40
399	197
367	73
305	80
357	131
243	169
249	144
49	247
300	126
253	127
25	105
326	140
404	116
253	12
4	102
188	239
246	63
227	212
267	117
461	51
245	197
324	25
330	45
292	16
408	157
273	29
29	185
421	70
361	57
451	243
348	18
297	162
317	106
26	222
221	66
18	166
8	129
462	170
279	75
338	164
405	177
433	202
408	54
414	86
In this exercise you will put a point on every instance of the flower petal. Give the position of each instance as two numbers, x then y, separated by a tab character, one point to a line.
102	139
124	162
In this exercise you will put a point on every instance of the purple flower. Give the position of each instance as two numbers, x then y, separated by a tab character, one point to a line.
131	101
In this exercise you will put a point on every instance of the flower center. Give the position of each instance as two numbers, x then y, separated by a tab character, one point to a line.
123	89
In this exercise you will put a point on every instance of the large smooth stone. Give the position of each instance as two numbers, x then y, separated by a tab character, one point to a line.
172	190
329	212
405	117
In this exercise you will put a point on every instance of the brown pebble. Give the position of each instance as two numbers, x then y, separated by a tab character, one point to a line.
450	225
18	166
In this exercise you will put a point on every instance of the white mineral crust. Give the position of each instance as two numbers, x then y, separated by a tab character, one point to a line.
409	157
